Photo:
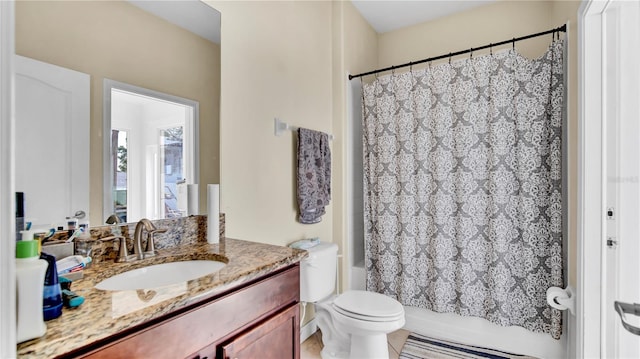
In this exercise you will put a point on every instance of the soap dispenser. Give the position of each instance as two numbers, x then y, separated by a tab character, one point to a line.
30	271
52	295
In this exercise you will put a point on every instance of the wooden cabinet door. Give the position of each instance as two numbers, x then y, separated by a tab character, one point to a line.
276	338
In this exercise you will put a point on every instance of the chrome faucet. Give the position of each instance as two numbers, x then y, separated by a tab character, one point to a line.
150	251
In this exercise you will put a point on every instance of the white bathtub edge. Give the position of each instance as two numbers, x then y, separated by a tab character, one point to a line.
480	332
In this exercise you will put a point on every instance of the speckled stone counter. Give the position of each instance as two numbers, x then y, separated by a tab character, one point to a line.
105	313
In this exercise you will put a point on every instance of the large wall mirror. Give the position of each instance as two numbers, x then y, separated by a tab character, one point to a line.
150	45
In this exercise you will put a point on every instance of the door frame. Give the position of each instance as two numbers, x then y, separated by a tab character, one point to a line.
7	197
591	179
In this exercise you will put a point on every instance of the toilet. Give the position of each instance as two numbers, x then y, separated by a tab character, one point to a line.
355	323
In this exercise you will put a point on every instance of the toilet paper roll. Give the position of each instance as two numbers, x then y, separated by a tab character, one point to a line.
213	217
554	294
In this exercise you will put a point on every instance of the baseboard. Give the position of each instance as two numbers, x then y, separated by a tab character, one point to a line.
308	329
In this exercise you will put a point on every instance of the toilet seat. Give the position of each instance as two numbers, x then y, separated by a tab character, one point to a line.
368	306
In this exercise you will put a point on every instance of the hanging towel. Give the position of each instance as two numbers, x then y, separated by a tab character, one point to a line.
314	175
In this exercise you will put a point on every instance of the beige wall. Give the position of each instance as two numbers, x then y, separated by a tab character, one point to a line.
276	62
288	60
355	51
116	40
476	27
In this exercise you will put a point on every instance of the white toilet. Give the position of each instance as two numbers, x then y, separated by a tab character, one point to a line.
355	323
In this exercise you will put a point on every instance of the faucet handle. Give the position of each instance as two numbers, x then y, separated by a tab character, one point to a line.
151	250
123	253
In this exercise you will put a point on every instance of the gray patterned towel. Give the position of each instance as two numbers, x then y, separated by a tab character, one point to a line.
314	175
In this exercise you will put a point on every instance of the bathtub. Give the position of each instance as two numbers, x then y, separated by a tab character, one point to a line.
476	331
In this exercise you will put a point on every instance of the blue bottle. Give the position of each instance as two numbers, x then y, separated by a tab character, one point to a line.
52	296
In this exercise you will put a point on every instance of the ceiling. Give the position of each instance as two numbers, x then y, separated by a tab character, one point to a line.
382	15
192	15
389	15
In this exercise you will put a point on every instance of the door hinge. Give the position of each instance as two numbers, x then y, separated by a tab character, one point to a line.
611	242
610	213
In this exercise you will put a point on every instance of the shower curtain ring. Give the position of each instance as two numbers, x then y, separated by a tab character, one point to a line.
513	44
449	58
471	53
491	49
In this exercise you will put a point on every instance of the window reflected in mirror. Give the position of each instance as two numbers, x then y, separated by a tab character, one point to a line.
172	160
119	155
152	151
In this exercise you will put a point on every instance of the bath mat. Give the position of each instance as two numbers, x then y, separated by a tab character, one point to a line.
420	347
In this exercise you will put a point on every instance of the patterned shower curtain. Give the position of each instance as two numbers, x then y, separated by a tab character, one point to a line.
462	186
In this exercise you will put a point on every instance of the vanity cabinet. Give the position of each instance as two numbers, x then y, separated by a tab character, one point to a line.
260	319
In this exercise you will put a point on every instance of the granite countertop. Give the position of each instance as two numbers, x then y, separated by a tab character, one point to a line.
105	313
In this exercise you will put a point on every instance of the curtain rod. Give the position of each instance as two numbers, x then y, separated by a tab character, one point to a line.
562	28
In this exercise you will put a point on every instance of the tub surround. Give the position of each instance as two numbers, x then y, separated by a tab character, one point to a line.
107	313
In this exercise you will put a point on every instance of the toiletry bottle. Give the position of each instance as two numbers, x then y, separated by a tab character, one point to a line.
19	214
52	296
30	271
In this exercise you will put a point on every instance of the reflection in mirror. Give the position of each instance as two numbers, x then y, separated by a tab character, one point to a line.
151	149
119	40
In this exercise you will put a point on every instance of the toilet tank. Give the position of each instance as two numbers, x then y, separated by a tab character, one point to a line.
318	272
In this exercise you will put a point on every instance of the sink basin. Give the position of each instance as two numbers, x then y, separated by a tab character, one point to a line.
160	275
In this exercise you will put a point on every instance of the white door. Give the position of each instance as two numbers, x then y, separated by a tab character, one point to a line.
621	253
51	140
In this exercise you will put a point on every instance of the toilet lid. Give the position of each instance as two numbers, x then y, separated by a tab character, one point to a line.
360	304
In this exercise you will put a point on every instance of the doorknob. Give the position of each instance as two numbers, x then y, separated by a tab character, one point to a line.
628	308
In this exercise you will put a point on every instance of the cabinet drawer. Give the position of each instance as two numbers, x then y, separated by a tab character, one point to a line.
276	338
184	334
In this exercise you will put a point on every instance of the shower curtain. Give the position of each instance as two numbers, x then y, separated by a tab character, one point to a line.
462	187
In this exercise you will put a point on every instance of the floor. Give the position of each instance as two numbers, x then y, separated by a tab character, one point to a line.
311	347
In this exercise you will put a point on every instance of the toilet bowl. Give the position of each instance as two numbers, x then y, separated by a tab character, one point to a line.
360	322
355	323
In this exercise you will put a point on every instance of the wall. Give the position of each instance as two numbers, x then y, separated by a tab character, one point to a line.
479	26
355	51
276	62
116	40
